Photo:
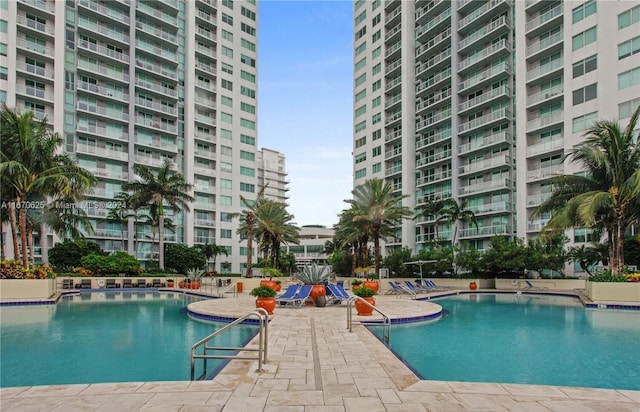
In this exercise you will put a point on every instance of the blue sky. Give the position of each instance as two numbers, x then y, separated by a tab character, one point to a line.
305	101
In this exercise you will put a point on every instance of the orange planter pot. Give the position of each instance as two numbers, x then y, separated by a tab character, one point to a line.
473	286
195	284
270	284
317	290
355	287
371	284
268	304
364	309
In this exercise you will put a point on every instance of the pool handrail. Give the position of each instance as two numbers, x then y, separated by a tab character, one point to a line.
385	322
263	321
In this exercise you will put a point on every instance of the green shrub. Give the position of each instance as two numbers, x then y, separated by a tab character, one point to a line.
606	276
181	258
117	262
263	292
66	255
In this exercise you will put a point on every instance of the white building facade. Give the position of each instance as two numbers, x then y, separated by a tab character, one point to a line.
478	101
137	82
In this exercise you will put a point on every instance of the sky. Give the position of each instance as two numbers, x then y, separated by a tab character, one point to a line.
305	94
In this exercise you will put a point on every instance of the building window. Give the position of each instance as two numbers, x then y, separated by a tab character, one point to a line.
247	187
360	79
227	68
250	140
248	45
227	52
225	233
361	126
629	17
247	155
376	118
584	94
359	174
248	108
361	48
376	69
584	10
376	168
629	78
360	17
376	102
247	76
227	19
376	85
245	91
376	135
626	109
376	36
249	124
360	64
226	84
376	20
376	151
227	101
376	52
226	117
628	48
226	184
248	29
247	171
360	111
586	37
361	95
585	66
248	13
228	3
584	122
248	60
227	35
361	142
226	200
360	157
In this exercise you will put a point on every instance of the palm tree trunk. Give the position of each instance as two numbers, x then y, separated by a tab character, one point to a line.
376	251
249	272
22	221
14	230
30	245
2	245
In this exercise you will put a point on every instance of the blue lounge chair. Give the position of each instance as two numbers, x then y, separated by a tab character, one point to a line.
289	293
337	294
431	286
531	287
397	289
299	299
414	288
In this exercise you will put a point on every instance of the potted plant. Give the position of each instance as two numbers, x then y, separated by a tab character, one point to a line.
473	285
170	283
355	284
195	275
366	294
317	276
271	272
265	298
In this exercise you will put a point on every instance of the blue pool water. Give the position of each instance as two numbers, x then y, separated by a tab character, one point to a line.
529	339
104	337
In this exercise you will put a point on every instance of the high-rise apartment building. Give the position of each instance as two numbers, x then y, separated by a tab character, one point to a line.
478	100
139	82
272	175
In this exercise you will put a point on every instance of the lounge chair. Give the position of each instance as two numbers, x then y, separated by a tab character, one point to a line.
415	288
127	283
431	286
337	294
67	284
398	289
530	286
157	283
304	293
141	283
289	293
111	283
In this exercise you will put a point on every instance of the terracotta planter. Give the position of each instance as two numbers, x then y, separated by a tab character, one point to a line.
317	290
170	284
473	286
270	284
355	287
181	285
364	309
268	304
195	284
371	284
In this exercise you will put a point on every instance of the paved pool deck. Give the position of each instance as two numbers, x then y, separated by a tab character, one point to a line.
314	365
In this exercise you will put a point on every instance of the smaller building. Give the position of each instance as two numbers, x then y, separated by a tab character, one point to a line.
311	247
272	175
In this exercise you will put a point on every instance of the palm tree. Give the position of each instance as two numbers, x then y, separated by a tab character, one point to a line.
355	235
274	226
375	204
431	208
245	229
153	219
211	250
156	189
608	194
32	170
453	212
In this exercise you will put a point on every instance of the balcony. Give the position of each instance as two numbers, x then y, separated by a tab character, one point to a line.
41	5
172	128
395	99
537	199
102	151
545	121
394	170
498	207
432	120
157	31
104	70
537	24
544	45
486	164
110	174
485	143
434	61
479	35
158	14
545	172
432	24
39	93
434	158
204	239
37	49
156	68
488	186
206	67
433	42
396	151
207	34
202	118
392	66
485	77
105	11
209	137
157	51
481	57
391	118
391	16
489	96
464	24
545	95
157	106
203	170
104	30
484	121
157	144
208	154
103	111
537	225
149	160
103	91
102	131
157	87
204	205
103	51
392	50
432	6
543	71
546	147
434	178
434	81
391	33
424	141
112	233
486	231
35	25
205	222
33	69
392	84
433	101
396	134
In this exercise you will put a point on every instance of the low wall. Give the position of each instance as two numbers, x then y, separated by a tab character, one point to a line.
519	284
614	291
27	288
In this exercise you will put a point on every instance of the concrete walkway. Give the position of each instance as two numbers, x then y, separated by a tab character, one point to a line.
316	364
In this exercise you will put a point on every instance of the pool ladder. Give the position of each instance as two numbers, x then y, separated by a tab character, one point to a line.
385	322
263	322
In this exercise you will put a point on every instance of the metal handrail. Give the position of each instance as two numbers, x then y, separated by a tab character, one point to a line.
263	319
385	322
413	293
232	287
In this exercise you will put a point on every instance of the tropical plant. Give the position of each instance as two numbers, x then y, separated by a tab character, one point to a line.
212	250
245	229
262	292
375	204
66	255
32	170
181	258
116	262
195	274
431	209
313	274
274	226
365	292
607	195
588	256
395	261
155	189
120	213
453	212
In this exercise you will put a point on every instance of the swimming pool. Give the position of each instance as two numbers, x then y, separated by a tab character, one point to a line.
528	339
104	337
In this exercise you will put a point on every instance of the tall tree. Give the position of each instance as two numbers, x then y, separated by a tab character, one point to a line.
212	250
375	204
156	189
431	210
274	226
453	212
608	194
32	170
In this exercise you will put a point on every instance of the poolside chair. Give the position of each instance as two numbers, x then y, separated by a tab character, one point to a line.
304	293
530	286
289	293
67	284
141	283
337	294
127	283
432	287
414	288
111	283
157	283
84	284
